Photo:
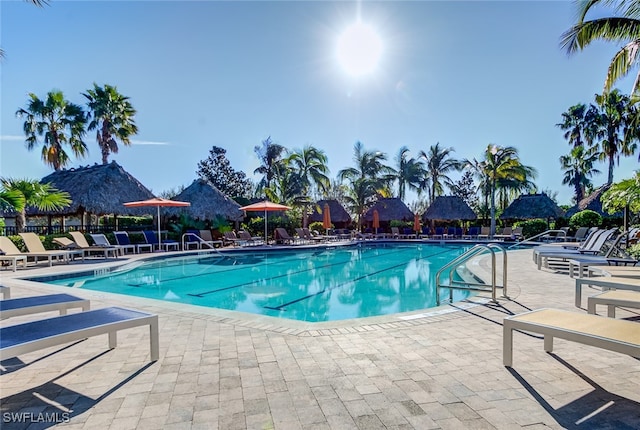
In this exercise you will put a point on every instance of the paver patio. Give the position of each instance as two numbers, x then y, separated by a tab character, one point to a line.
219	369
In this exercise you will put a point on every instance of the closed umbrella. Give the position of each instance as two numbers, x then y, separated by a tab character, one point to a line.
376	220
157	202
265	206
326	217
416	223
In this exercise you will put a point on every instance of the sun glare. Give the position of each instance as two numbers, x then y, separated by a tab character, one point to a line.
359	49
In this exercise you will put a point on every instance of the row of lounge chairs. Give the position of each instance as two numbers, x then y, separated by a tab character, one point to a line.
38	334
621	288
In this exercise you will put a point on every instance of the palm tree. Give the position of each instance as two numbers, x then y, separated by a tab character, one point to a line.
439	163
310	165
624	28
501	171
409	172
111	116
270	155
578	168
366	180
58	122
615	130
578	123
43	196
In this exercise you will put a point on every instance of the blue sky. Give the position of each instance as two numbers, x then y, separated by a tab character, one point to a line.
230	74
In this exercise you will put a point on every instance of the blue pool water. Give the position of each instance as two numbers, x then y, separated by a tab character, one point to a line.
307	285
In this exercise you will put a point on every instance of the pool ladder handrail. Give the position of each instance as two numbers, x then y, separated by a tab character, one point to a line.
532	239
453	264
202	242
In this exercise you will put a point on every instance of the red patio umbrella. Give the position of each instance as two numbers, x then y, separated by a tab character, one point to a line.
265	206
157	202
376	220
416	223
326	217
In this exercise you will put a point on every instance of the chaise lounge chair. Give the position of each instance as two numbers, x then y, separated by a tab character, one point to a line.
122	239
37	304
81	240
282	236
593	246
32	336
607	333
101	240
9	248
152	239
12	259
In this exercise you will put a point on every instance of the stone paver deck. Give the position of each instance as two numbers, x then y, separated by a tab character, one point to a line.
439	369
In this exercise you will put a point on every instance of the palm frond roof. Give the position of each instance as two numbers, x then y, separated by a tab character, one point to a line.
592	202
338	213
532	206
207	202
448	208
100	189
391	209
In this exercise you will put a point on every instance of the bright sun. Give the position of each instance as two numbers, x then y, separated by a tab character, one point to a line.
359	49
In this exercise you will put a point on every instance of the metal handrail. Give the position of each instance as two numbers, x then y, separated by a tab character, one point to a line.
477	249
199	239
532	238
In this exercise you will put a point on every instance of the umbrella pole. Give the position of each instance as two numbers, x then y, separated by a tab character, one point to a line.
159	236
266	241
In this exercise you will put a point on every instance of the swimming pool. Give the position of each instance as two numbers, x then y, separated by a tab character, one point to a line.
313	285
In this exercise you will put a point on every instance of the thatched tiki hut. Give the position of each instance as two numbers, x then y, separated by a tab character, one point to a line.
449	208
392	209
532	206
207	202
101	189
592	202
340	218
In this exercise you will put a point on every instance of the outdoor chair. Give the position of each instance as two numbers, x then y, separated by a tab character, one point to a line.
191	240
505	234
36	249
81	240
250	240
601	332
439	233
426	232
229	237
32	336
472	233
282	236
485	232
314	236
208	240
101	240
592	247
122	239
38	304
152	239
12	258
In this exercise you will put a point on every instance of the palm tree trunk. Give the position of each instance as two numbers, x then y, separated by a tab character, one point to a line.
493	210
611	164
21	221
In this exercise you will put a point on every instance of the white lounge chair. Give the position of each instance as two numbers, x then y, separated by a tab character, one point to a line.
593	246
101	240
37	304
613	299
606	283
122	239
81	240
607	333
10	249
32	336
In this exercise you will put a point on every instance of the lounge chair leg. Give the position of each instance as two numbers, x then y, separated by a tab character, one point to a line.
611	311
113	339
507	345
548	343
153	339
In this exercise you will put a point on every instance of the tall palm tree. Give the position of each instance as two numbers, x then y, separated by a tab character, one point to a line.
59	123
578	169
366	180
112	116
623	28
310	164
438	164
501	171
269	154
409	172
615	134
43	196
578	123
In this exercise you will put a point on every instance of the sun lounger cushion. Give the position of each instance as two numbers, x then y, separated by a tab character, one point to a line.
36	304
607	333
35	335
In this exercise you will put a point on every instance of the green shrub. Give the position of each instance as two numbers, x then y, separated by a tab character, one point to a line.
585	218
532	227
634	251
317	226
